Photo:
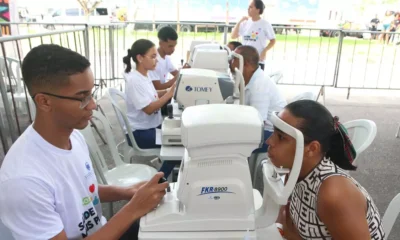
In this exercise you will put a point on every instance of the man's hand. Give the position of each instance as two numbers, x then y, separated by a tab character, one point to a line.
149	195
131	191
171	90
263	55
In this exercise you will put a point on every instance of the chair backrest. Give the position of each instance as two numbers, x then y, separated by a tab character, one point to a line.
391	214
5	233
14	69
303	96
95	152
114	95
364	133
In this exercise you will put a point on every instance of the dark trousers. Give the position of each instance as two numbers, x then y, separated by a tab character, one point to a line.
262	65
146	139
168	166
132	233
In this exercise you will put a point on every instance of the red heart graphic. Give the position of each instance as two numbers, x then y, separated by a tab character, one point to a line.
91	188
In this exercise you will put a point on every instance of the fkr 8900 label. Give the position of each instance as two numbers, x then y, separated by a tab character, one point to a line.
210	190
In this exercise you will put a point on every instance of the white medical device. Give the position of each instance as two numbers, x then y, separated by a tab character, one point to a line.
211	56
198	87
213	198
213	59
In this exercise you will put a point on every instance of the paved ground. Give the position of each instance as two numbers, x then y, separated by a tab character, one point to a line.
379	167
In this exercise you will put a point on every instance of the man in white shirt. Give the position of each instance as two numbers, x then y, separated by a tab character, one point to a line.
260	91
48	186
168	38
255	31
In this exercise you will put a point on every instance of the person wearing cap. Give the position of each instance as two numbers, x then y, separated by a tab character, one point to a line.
260	91
326	203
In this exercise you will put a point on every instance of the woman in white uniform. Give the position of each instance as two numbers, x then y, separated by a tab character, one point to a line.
255	31
143	101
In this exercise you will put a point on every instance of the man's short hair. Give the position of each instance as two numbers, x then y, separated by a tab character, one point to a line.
235	44
50	65
167	33
250	55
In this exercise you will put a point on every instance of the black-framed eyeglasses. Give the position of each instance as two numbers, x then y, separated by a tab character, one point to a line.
84	101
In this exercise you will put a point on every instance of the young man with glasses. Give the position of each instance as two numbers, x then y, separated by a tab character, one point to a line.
47	182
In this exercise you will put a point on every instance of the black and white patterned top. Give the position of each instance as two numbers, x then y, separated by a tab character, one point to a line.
303	205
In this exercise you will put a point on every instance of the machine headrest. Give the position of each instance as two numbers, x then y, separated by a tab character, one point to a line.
228	128
282	196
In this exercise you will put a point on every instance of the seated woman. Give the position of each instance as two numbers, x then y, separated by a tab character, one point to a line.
326	202
143	102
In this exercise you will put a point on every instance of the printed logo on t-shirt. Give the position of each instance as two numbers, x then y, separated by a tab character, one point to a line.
90	199
90	219
87	166
90	173
252	37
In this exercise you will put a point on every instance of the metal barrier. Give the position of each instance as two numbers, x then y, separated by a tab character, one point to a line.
16	107
302	54
368	63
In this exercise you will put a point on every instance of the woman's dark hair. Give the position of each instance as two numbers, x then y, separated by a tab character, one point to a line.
259	5
140	47
317	124
235	44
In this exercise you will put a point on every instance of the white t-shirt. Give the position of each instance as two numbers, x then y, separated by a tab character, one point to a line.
45	189
263	94
256	33
163	68
140	92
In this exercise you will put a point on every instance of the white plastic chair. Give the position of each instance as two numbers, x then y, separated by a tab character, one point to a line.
304	96
123	174
114	95
17	85
5	233
391	214
364	133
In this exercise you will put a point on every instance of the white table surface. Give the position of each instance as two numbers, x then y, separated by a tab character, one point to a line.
172	153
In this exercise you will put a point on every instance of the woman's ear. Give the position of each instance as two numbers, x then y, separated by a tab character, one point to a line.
139	58
312	149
